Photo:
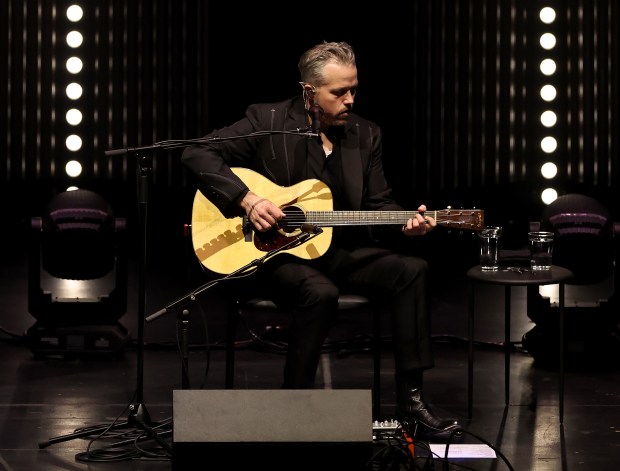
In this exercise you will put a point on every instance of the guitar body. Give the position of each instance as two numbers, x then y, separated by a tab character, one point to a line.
224	245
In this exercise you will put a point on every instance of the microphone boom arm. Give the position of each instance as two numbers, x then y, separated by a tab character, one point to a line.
178	143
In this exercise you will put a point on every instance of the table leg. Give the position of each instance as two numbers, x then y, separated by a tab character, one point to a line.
470	350
507	344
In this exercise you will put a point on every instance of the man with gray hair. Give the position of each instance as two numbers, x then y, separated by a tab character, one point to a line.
346	155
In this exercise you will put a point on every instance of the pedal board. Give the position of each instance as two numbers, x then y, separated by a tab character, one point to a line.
384	429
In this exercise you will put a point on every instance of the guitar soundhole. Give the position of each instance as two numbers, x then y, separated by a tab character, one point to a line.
276	238
293	220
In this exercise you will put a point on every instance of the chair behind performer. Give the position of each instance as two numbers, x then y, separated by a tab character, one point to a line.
353	303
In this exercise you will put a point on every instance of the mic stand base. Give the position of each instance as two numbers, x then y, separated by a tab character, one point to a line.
138	418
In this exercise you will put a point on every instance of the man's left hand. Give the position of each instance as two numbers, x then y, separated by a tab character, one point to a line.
420	224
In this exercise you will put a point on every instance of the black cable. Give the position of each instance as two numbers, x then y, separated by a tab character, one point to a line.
396	454
128	443
478	437
13	337
137	445
356	344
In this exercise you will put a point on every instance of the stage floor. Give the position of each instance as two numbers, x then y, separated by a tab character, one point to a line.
44	399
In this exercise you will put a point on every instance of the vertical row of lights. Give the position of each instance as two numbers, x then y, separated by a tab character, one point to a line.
548	93
74	89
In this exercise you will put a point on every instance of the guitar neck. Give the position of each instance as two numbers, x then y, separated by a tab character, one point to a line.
360	218
464	219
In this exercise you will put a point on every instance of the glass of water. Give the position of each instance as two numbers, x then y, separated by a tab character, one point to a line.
541	250
490	238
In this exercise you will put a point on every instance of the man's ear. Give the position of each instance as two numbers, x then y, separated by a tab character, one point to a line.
310	91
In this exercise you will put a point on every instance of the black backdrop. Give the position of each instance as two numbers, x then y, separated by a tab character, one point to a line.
454	84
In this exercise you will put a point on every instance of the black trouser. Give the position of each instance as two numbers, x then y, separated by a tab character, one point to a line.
311	289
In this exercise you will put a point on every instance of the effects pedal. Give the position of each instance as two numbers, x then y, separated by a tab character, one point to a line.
385	429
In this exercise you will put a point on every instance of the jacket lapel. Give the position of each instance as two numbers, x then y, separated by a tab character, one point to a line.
352	165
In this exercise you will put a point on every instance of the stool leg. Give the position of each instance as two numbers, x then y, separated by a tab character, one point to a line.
231	337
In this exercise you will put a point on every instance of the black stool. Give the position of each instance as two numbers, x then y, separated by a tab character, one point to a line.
345	302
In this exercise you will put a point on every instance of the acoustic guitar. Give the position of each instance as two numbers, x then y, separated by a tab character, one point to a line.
224	245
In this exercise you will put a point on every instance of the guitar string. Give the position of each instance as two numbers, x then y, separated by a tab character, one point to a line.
333	218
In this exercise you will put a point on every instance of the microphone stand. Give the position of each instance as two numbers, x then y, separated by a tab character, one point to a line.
138	413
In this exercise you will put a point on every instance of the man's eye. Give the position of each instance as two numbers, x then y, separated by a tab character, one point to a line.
340	93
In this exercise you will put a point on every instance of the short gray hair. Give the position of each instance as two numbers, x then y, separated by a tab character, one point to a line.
312	62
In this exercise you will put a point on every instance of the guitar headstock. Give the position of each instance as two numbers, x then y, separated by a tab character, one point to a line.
465	219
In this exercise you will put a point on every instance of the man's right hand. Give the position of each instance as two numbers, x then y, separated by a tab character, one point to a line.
261	212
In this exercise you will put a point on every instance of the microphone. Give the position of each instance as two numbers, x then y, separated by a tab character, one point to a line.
315	112
310	228
110	153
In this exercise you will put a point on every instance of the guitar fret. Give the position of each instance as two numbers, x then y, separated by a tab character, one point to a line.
348	218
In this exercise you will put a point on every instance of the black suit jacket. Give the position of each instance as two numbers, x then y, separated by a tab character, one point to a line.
282	157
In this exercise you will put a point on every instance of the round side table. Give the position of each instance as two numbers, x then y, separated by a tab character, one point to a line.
509	277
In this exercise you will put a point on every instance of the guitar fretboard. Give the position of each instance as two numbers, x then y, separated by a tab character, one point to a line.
453	218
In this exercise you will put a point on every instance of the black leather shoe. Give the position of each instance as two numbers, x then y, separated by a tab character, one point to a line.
419	421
